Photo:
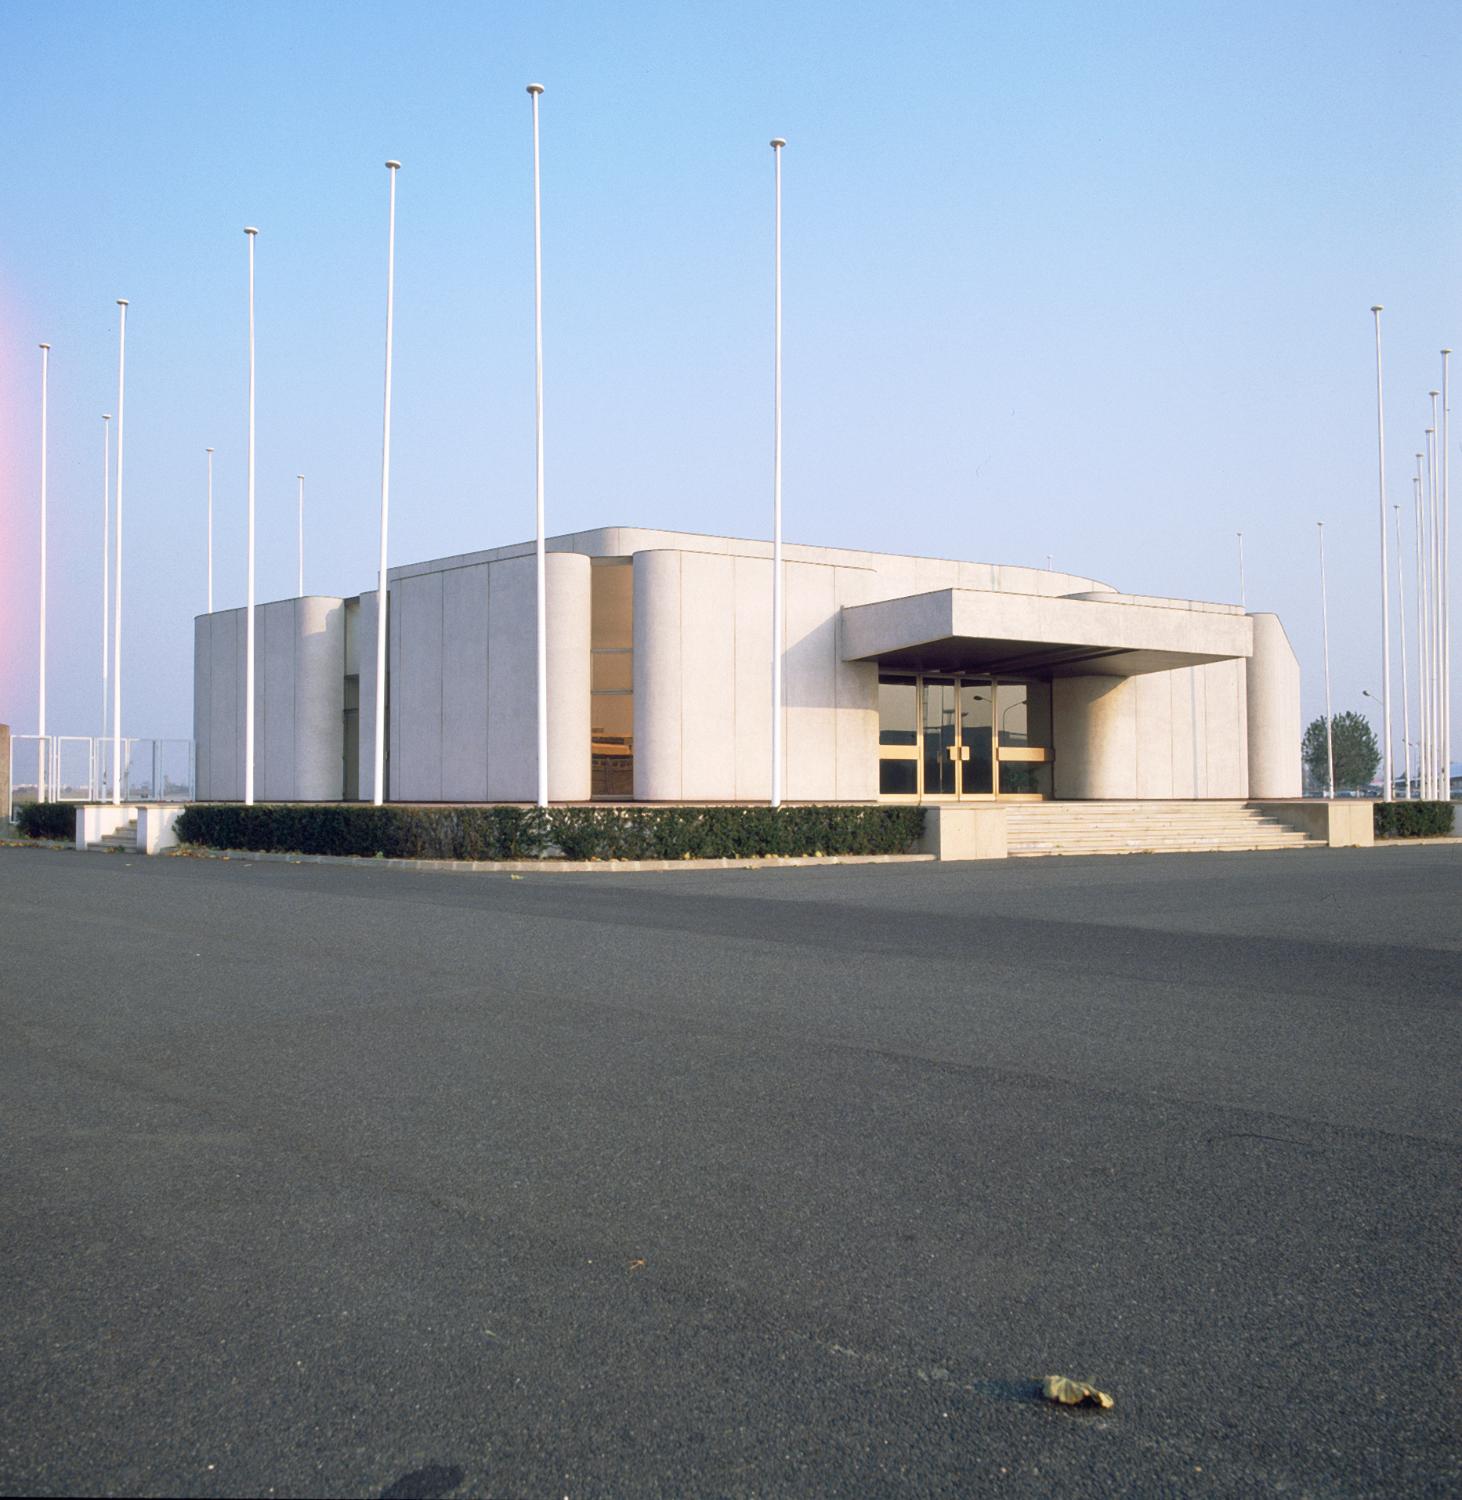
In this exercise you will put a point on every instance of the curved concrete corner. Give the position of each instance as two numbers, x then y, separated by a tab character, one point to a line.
319	698
567	577
1272	691
657	676
1095	732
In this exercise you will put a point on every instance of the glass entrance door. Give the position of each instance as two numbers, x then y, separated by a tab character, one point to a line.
976	728
963	737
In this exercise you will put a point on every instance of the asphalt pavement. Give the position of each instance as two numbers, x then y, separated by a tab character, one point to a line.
335	1181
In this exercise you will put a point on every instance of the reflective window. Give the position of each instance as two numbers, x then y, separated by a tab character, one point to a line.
1014	713
898	713
898	778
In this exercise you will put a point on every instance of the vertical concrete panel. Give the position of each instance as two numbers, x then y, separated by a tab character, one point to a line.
319	699
1272	703
512	681
752	686
275	634
416	689
202	708
1153	702
464	684
707	677
810	682
857	702
1095	725
225	707
1224	749
569	603
657	676
365	649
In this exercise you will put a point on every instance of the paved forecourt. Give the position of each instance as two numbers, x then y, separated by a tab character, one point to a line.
748	1182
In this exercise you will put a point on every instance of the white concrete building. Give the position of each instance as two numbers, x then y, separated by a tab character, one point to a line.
905	678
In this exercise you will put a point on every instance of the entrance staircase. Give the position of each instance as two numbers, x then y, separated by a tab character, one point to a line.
125	837
1146	828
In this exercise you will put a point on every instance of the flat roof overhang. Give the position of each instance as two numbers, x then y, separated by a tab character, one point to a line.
971	630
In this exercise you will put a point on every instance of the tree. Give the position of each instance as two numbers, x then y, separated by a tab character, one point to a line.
1356	752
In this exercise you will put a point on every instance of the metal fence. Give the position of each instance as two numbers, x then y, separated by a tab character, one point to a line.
75	768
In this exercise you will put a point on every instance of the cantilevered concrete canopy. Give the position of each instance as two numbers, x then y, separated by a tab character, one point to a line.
1115	635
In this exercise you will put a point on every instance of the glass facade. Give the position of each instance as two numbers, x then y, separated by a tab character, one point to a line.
612	678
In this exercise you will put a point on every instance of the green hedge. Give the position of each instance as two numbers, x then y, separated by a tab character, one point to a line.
487	833
1413	820
47	820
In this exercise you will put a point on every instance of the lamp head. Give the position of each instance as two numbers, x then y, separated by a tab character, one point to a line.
535	88
778	143
249	229
43	346
121	302
395	166
1378	308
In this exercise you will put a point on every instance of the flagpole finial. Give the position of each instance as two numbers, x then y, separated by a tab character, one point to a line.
778	143
535	88
395	166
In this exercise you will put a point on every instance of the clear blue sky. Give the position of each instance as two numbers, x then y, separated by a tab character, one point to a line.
1087	280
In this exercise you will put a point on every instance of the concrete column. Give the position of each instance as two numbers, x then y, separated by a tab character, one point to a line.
657	676
1094	737
1272	692
569	635
319	705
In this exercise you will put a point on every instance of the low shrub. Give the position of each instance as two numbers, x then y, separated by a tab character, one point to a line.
488	833
1413	820
47	820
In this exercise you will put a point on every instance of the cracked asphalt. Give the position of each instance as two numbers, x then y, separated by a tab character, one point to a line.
335	1181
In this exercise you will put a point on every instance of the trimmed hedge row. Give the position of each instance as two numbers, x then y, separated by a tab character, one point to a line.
488	833
47	820
1413	820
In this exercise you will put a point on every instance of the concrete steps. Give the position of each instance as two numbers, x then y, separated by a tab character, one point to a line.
1146	828
124	837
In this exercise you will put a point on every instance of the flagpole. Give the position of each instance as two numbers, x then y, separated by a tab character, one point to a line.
106	577
535	90
778	601
209	451
1423	655
1435	599
42	748
301	590
1401	622
378	795
1385	586
117	560
1445	571
1325	629
252	234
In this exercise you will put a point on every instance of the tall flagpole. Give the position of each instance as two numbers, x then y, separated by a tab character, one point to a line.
778	603
535	90
1385	585
301	590
42	749
1401	622
1325	629
1435	600
1422	652
1445	570
117	774
1243	592
252	235
106	570
378	795
209	451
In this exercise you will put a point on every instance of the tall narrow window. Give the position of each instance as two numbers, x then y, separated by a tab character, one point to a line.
612	678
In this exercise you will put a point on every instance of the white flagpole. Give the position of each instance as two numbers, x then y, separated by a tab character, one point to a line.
1325	629
1385	585
301	590
778	602
1445	571
117	773
42	748
106	576
1435	600
209	451
1243	592
1423	654
378	795
1401	622
252	235
535	90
